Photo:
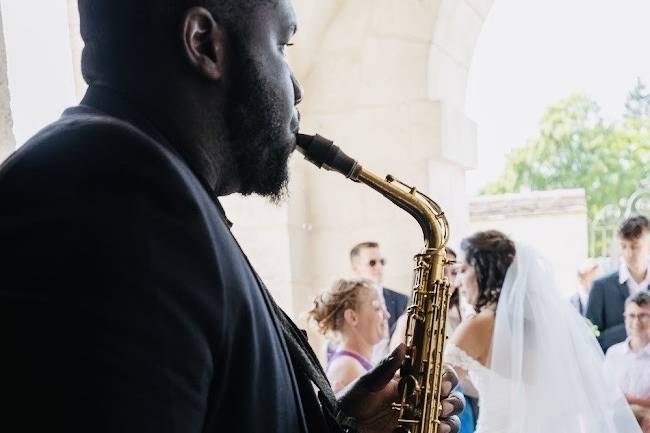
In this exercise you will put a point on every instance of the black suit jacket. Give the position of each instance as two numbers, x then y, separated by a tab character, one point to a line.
396	304
605	309
126	305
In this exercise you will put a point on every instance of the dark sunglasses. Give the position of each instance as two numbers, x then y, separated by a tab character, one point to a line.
374	262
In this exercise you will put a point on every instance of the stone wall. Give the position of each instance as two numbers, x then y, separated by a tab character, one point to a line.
76	47
7	141
554	222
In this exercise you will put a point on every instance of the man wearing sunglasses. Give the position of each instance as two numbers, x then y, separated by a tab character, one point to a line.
367	262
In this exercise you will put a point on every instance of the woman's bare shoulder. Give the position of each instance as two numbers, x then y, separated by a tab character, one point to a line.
474	335
342	371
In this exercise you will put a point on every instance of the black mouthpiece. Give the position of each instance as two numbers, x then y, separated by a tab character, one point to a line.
324	154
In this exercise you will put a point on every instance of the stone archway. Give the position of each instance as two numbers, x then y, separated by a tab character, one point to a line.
7	141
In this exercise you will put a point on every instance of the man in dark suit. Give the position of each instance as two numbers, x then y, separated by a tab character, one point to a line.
367	262
126	305
608	294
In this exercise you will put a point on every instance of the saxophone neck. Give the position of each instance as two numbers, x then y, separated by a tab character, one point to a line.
427	213
324	154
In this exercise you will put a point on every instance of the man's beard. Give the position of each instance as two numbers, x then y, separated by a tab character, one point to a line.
257	133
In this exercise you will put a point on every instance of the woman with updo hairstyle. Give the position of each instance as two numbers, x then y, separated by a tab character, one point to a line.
352	312
488	255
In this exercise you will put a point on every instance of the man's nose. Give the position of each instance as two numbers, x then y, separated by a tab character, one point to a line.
297	90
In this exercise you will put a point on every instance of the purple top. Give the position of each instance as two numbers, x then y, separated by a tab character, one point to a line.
365	364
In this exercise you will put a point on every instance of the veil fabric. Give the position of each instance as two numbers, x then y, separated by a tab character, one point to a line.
549	359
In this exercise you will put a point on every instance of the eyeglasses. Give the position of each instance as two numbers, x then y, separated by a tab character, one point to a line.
372	263
643	317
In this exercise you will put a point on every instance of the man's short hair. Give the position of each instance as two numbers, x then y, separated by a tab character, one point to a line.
633	227
356	250
641	299
117	33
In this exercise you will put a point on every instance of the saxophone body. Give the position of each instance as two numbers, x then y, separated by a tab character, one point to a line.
421	374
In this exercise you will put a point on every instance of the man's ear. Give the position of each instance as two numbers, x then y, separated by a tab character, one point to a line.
204	41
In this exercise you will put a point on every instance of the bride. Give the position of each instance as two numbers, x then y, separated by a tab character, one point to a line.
533	359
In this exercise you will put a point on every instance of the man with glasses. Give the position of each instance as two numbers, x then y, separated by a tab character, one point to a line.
629	361
367	262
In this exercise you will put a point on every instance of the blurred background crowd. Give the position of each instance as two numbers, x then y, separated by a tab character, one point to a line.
363	320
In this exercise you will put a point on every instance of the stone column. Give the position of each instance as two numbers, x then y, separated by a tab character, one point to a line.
76	47
7	140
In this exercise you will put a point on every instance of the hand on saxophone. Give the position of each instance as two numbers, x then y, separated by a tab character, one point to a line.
369	398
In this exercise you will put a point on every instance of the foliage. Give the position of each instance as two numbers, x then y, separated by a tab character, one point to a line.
577	148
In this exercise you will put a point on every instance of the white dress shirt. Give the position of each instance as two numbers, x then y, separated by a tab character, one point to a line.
630	370
624	276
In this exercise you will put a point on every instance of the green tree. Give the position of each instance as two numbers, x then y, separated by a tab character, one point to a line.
576	148
638	102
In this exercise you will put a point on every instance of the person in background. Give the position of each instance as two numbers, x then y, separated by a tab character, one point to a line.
629	362
353	311
585	275
366	261
608	294
454	318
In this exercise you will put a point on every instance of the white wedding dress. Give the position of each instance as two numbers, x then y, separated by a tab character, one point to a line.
493	401
546	371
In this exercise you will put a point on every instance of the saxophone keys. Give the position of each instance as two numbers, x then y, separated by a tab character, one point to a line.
408	386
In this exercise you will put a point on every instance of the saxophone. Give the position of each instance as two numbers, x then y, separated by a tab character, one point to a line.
419	407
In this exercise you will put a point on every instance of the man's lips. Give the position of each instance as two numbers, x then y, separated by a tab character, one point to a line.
295	127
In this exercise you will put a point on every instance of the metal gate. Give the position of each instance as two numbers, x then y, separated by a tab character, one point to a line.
602	236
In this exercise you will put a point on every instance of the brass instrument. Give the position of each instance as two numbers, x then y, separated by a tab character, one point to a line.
421	373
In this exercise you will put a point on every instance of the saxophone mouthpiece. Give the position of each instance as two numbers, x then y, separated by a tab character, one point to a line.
323	153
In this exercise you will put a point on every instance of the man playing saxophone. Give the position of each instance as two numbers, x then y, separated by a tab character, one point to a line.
126	304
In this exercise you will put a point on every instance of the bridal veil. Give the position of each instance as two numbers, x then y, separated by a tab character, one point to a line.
547	354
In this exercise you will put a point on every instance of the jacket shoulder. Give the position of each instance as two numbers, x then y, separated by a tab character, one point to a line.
86	149
606	280
400	297
90	137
